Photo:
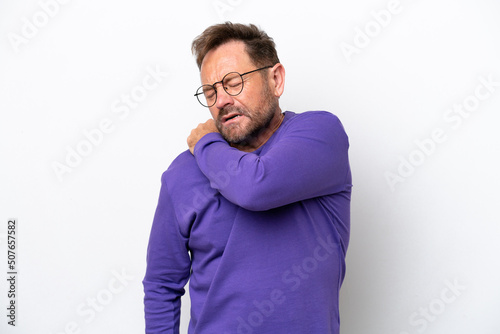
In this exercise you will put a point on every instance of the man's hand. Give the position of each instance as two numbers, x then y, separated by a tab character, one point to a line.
201	130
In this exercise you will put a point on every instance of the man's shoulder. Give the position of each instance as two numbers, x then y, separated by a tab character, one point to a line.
319	115
182	171
315	119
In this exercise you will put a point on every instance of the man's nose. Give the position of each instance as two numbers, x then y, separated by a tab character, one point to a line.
223	98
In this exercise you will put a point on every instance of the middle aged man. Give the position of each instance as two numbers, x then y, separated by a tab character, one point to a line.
256	213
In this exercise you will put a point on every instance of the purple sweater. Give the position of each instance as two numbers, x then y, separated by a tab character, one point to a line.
261	236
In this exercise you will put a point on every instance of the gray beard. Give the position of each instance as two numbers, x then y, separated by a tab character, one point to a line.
254	129
259	122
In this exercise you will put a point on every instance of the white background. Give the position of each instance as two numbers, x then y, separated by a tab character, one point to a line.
436	226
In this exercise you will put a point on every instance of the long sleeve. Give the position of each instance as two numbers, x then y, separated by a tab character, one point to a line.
308	158
168	269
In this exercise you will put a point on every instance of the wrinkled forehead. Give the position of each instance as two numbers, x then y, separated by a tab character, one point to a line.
228	57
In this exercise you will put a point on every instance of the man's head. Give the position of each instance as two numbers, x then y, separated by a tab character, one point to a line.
259	46
226	48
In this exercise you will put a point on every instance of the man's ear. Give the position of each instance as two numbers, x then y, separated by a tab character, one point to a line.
277	79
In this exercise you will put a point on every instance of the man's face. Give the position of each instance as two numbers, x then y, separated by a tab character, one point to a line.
239	118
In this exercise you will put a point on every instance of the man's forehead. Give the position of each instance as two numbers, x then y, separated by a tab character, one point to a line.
228	57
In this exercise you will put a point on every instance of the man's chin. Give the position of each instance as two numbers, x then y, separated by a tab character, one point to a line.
235	139
234	134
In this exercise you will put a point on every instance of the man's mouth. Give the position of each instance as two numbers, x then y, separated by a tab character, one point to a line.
230	117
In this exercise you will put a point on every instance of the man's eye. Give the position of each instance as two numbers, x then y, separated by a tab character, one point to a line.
233	81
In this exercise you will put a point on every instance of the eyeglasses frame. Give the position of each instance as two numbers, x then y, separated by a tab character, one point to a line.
215	83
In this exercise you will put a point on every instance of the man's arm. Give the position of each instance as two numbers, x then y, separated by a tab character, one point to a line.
168	269
309	160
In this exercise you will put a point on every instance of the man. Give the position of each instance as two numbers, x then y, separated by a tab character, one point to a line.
256	213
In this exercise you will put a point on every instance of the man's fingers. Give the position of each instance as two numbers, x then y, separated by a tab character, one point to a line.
198	132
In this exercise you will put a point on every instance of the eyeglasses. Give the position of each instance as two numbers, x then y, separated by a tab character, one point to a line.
231	82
